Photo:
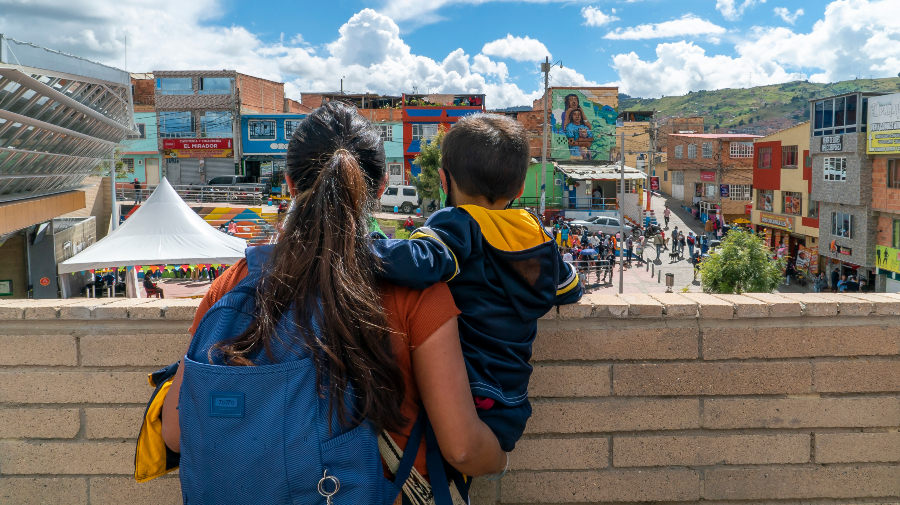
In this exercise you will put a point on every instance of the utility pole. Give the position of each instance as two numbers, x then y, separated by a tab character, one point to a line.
545	67
114	216
622	214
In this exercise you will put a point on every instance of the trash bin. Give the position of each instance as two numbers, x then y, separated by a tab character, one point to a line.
670	281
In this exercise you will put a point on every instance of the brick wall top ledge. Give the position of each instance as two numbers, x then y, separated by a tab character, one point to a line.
631	306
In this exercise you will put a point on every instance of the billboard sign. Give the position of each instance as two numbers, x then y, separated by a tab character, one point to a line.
654	183
708	176
883	136
582	123
198	148
776	221
887	258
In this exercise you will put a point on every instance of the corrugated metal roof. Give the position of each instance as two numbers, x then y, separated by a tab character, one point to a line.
721	136
600	172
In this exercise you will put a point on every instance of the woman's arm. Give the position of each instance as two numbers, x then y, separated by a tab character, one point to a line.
466	442
171	427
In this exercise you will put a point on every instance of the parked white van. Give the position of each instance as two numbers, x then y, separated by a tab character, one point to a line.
404	197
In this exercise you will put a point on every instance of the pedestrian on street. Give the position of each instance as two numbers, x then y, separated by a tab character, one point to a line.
690	243
835	277
821	283
695	259
567	257
704	244
666	216
658	242
138	193
842	284
710	229
629	248
681	243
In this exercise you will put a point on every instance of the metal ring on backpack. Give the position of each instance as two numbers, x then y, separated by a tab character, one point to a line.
337	484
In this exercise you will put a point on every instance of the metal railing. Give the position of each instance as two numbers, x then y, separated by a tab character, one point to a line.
194	135
578	203
197	193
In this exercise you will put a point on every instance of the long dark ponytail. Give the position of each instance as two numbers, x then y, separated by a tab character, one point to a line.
322	267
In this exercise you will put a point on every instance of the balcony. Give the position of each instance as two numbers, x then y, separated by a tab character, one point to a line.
195	135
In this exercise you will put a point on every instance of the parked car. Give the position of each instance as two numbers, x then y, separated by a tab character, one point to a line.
608	225
241	181
406	198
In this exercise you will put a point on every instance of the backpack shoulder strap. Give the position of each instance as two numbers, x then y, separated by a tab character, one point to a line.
257	258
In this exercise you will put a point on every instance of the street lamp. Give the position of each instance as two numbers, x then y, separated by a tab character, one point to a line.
545	68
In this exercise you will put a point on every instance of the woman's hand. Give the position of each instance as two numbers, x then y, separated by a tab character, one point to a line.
465	441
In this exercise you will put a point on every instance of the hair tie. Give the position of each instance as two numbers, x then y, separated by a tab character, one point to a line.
340	151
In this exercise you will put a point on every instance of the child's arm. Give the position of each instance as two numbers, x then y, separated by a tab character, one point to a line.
431	255
569	289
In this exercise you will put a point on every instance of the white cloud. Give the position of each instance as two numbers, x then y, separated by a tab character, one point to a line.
687	26
517	48
594	17
786	15
732	11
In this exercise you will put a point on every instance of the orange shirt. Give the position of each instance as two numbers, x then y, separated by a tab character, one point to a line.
414	316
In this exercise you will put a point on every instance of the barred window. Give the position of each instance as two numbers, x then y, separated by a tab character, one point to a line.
742	149
791	203
386	131
129	165
692	151
679	152
835	169
765	197
789	156
841	225
740	191
765	158
707	149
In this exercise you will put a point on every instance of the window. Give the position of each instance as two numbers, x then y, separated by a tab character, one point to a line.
215	86
893	174
386	131
834	116
141	127
692	151
679	152
765	157
174	124
423	131
261	129
712	190
895	237
835	169
765	197
629	186
813	211
128	165
290	125
791	203
678	178
409	192
391	191
396	169
216	123
742	149
175	86
789	156
707	149
740	191
666	175
841	225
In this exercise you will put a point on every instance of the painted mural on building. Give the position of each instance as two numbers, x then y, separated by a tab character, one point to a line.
583	124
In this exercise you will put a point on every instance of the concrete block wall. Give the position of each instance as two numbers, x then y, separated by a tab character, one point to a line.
675	398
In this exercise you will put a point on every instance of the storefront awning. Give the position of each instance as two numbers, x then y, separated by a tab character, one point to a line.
610	172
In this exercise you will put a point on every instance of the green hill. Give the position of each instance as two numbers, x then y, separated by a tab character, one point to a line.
779	105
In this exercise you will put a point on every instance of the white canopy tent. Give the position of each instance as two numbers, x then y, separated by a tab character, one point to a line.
162	231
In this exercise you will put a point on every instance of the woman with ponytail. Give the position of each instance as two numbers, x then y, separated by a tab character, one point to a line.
380	353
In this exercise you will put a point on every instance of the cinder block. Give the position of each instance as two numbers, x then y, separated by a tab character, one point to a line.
710	450
13	310
484	492
810	412
676	305
813	304
74	387
133	350
607	305
150	310
578	310
711	307
850	305
746	307
569	381
113	422
642	306
788	482
83	309
863	376
858	447
182	309
64	458
712	379
799	342
602	486
46	309
611	415
779	306
884	305
117	309
560	454
118	490
48	350
39	423
616	343
43	491
552	314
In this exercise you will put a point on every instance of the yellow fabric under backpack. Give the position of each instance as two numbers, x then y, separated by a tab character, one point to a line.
152	458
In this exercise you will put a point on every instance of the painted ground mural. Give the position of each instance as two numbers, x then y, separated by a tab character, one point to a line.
583	123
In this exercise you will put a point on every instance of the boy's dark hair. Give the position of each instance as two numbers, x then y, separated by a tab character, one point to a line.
487	155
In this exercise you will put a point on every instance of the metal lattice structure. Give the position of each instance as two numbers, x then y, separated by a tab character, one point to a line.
59	116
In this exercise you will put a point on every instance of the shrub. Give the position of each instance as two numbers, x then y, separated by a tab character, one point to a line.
741	264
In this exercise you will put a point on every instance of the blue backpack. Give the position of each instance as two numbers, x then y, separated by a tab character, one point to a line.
263	434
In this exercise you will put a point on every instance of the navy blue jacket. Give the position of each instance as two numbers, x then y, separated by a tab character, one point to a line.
504	272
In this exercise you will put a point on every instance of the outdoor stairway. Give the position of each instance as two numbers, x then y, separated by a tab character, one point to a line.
253	225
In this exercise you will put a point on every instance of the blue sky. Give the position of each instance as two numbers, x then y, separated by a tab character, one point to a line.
646	47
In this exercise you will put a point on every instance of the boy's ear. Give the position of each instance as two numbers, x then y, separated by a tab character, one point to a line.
445	185
521	191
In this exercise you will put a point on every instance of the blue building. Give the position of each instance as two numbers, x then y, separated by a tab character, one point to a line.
141	156
264	141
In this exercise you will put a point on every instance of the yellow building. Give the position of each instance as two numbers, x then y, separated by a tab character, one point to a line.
783	213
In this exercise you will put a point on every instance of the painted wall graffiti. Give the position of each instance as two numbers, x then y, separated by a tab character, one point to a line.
583	123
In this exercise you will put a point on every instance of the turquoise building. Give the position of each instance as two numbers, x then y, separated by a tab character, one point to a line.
141	155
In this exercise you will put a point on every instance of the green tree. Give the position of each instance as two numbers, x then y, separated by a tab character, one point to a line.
123	172
428	182
741	264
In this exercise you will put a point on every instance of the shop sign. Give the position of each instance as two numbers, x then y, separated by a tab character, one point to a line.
832	143
723	190
776	221
708	176
840	249
748	209
887	258
884	124
198	148
654	183
266	168
808	259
